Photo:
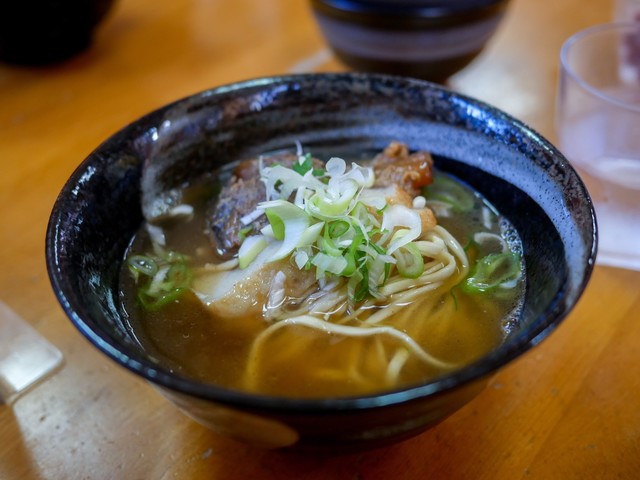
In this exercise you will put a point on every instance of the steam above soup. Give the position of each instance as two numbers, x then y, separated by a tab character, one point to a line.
305	278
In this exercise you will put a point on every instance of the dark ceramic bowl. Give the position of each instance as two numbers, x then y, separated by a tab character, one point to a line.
40	32
99	209
429	39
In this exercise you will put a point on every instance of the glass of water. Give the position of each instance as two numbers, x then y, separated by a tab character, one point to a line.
598	125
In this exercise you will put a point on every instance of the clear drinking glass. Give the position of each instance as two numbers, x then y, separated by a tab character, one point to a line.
598	125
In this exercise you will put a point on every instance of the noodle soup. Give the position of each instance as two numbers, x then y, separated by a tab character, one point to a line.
393	279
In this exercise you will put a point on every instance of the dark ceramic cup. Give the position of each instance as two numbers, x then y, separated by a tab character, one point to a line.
40	32
99	209
428	39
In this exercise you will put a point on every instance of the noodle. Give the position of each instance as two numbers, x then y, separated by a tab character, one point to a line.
332	328
395	365
400	293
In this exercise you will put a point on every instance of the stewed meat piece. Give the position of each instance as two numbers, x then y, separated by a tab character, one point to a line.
239	197
409	171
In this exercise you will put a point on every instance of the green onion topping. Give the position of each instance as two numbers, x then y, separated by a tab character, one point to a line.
493	271
319	218
162	278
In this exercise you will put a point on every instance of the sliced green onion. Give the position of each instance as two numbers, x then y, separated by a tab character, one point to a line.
493	271
447	190
410	262
142	265
294	222
250	249
267	231
329	263
331	204
276	222
311	235
303	165
155	302
161	278
327	246
406	220
376	273
351	264
158	283
301	258
280	181
358	286
179	274
336	225
353	254
337	228
244	232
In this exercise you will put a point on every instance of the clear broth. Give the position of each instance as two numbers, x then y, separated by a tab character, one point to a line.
453	326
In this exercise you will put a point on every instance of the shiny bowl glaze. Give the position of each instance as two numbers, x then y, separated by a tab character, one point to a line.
428	39
99	209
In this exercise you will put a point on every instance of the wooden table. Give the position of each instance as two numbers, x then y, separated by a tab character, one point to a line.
567	409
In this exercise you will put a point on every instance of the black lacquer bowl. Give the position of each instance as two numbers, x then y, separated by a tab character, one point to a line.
99	209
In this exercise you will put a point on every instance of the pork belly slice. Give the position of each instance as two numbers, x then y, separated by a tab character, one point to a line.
247	291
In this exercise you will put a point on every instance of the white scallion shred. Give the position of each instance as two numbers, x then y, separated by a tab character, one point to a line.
156	234
182	210
407	220
419	202
251	217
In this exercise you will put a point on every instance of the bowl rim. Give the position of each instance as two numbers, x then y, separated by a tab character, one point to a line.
485	366
407	15
400	8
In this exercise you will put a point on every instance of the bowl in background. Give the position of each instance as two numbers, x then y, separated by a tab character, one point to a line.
532	184
41	32
428	39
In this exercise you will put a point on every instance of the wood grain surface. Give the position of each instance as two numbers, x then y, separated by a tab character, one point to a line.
569	409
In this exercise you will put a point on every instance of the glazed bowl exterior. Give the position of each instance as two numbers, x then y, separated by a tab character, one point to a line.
533	185
428	39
